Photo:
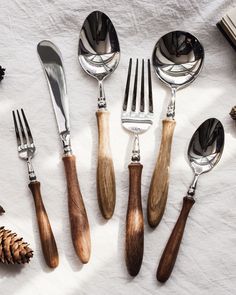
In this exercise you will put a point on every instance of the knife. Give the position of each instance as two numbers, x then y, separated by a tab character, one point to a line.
52	64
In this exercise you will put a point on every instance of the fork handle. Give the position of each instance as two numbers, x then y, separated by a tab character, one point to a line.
134	221
170	253
78	217
48	242
106	190
160	179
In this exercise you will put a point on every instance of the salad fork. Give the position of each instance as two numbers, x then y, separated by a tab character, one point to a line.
26	150
136	119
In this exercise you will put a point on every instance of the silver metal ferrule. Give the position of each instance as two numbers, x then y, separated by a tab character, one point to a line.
136	149
101	96
192	188
32	176
65	137
171	106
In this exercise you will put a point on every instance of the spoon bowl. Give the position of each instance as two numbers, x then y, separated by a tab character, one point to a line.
178	58
99	50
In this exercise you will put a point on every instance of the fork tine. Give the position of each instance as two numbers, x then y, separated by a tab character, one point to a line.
142	103
135	87
16	129
21	128
150	88
30	137
125	104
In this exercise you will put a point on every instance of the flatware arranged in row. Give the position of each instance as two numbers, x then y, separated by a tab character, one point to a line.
137	118
26	150
99	56
204	152
177	59
53	67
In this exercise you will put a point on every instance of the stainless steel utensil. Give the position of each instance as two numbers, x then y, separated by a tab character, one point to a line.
52	64
99	55
136	118
26	150
177	59
204	152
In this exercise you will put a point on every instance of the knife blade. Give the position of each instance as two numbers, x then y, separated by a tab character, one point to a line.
51	60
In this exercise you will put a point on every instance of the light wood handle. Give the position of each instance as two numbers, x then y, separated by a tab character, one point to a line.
170	253
106	187
134	222
80	231
160	179
48	242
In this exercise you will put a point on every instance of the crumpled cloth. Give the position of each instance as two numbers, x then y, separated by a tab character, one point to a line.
206	263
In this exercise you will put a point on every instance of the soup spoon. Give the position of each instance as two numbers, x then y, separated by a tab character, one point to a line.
204	152
177	59
99	55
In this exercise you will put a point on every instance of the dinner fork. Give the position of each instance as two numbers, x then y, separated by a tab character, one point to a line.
136	119
26	150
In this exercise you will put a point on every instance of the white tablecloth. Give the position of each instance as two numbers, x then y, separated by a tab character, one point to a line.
206	263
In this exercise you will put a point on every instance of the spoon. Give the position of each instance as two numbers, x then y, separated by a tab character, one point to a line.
177	59
99	55
204	152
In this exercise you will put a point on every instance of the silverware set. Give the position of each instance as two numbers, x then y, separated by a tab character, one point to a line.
177	60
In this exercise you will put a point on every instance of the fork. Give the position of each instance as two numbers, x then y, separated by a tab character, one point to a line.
26	150
136	120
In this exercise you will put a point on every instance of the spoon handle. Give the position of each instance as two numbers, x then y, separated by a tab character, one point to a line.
170	253
106	189
78	217
160	179
48	242
134	221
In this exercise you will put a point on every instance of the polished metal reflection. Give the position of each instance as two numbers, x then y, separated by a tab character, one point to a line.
99	50
52	64
177	58
205	149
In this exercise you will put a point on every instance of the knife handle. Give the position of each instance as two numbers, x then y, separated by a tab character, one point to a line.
78	217
134	222
160	179
48	242
106	188
170	253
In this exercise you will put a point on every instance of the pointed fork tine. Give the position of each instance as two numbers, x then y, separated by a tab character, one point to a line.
18	139
150	88
21	128
30	137
125	104
142	103
135	88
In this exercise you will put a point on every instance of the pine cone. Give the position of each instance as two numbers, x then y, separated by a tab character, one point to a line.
2	73
233	113
12	249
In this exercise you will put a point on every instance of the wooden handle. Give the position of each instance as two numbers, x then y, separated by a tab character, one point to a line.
78	217
106	187
170	253
134	221
48	242
160	179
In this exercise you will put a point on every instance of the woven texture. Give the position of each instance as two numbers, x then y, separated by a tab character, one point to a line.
206	263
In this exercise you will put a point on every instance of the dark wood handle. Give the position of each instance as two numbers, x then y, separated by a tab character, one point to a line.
78	217
170	253
106	187
158	191
48	242
134	221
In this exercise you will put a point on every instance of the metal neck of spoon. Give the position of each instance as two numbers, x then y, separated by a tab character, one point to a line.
101	96
171	107
192	188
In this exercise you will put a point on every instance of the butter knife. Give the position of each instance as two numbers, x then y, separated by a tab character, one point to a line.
52	64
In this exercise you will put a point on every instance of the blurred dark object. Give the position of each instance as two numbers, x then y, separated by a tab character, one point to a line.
2	73
233	113
1	210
